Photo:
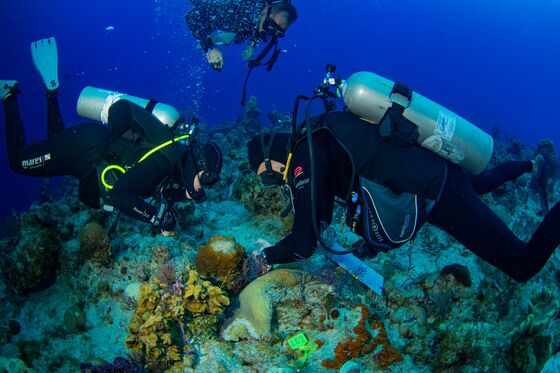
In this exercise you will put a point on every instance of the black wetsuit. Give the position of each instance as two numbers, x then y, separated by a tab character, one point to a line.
238	16
459	211
78	150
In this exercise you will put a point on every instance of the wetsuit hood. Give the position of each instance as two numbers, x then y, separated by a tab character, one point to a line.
205	158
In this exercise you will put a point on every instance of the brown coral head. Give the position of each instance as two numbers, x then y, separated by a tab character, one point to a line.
221	257
166	274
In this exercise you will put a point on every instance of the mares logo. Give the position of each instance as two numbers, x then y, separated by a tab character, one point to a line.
298	171
35	162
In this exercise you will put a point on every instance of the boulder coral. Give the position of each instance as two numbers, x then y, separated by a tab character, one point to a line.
222	257
94	244
254	316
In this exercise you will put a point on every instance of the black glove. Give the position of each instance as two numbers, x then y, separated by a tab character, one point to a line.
168	221
165	220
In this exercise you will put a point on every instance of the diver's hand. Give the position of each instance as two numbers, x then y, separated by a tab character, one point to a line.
215	58
262	244
248	52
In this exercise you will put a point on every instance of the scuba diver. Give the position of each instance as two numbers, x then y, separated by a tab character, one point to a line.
145	157
390	187
221	22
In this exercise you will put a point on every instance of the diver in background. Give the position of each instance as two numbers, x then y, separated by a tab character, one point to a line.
173	173
222	22
338	137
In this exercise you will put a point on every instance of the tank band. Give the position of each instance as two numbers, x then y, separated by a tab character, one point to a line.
151	105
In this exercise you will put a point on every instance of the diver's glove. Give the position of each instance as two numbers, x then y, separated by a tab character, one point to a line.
215	58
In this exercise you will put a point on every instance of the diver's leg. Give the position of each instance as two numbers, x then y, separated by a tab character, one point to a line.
490	180
461	213
128	120
15	134
55	124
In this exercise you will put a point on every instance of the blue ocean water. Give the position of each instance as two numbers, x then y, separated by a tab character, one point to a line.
495	63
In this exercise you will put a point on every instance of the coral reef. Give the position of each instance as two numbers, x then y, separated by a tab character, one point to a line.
94	244
257	199
119	365
250	122
30	264
157	329
222	258
254	316
531	342
13	365
365	342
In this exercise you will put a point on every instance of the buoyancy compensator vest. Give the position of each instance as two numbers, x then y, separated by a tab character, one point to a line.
395	185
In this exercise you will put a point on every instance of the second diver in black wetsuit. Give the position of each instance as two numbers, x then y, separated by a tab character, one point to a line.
175	172
341	140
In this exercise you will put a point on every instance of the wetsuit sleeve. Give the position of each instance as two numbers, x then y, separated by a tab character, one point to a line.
137	183
301	243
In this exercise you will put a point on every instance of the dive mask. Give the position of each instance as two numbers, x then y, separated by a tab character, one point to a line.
271	28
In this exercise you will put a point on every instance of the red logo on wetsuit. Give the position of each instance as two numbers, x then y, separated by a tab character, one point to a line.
298	171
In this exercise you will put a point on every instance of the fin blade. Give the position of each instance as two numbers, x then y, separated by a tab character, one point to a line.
44	53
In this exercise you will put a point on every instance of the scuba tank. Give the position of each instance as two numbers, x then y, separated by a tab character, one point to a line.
369	96
94	103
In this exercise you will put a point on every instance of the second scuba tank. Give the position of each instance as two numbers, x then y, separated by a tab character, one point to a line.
94	103
369	96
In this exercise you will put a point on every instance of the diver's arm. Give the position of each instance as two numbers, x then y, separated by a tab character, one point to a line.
141	181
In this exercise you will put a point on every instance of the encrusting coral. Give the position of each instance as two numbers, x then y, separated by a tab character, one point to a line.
157	330
365	342
222	258
254	316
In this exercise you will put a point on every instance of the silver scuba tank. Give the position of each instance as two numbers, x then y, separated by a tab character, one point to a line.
94	103
369	95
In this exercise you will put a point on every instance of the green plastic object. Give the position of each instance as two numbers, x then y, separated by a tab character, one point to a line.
297	341
300	342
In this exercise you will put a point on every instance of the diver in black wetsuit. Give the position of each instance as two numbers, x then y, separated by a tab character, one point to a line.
222	22
342	144
173	173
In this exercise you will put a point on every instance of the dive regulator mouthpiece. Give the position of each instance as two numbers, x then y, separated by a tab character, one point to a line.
445	133
94	103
